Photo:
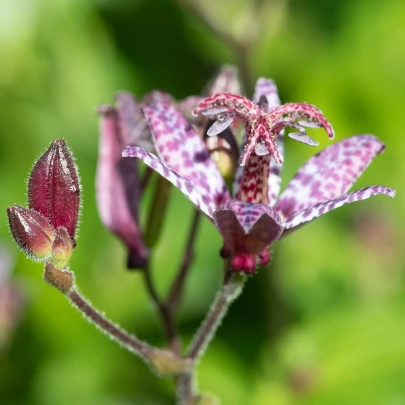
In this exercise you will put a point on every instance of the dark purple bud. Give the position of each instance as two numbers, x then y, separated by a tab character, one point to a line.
54	189
264	258
62	248
117	187
245	263
31	231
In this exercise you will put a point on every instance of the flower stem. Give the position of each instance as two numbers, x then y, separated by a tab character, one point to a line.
231	289
176	291
164	312
130	342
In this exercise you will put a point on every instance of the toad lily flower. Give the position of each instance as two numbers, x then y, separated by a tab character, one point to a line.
255	219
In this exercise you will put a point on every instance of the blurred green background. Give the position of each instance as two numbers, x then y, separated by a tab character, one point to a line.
325	324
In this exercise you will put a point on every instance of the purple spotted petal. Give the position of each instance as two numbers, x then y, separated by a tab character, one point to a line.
207	206
183	150
328	174
132	125
157	98
186	108
226	81
317	210
266	87
247	228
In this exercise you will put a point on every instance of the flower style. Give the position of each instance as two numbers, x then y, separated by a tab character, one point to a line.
255	218
263	120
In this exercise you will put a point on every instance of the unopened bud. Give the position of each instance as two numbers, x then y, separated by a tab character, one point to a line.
245	263
264	258
54	189
63	280
62	248
31	231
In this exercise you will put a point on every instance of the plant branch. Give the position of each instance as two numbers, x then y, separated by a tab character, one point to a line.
230	290
164	312
164	362
130	342
176	291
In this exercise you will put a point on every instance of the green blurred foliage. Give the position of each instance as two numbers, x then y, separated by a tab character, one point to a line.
325	323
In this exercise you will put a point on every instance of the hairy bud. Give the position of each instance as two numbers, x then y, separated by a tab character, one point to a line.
32	232
54	189
62	248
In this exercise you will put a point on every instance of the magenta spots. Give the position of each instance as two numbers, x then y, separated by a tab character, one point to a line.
312	182
180	143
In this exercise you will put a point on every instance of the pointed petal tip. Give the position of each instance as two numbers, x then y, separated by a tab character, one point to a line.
128	151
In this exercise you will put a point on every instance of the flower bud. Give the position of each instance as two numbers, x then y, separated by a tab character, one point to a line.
54	189
62	248
31	231
117	189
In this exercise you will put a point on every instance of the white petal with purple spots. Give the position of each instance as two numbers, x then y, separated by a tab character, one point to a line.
181	148
321	208
266	87
207	206
328	174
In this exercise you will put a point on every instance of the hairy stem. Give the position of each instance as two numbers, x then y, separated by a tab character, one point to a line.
230	290
176	291
164	312
130	342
